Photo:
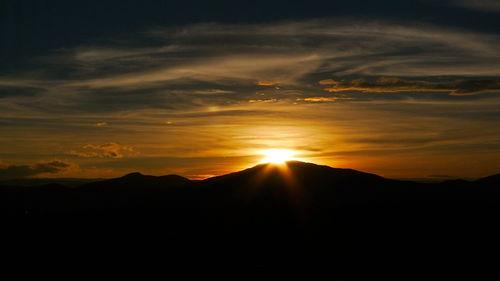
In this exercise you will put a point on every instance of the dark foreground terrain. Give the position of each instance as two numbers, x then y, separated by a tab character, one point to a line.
295	219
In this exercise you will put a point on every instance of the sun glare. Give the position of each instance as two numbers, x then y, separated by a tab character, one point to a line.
277	156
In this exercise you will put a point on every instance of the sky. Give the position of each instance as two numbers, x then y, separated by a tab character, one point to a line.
404	89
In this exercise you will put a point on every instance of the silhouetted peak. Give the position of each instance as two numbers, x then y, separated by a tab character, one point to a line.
137	180
297	170
295	166
133	175
491	180
173	177
139	176
289	164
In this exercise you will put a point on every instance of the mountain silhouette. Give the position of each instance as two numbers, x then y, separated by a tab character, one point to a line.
300	214
306	175
490	181
139	181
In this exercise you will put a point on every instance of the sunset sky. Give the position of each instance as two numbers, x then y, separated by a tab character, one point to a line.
404	89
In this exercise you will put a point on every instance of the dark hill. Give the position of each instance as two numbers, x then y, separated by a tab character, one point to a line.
139	181
295	216
297	186
305	175
300	169
490	181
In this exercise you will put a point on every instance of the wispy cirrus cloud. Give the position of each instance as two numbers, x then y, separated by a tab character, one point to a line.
398	85
213	90
106	150
101	124
483	5
187	68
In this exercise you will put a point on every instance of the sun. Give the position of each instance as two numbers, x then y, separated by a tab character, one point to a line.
277	156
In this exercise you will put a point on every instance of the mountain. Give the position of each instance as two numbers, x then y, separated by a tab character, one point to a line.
307	177
139	181
298	215
490	181
295	186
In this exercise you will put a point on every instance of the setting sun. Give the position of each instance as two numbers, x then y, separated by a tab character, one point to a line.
277	156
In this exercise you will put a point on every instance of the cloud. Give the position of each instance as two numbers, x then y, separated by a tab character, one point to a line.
266	83
324	99
17	91
188	68
483	5
331	76
226	68
106	150
262	100
399	85
37	169
101	124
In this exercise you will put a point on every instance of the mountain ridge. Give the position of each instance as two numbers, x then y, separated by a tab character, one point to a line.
133	176
294	183
299	214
